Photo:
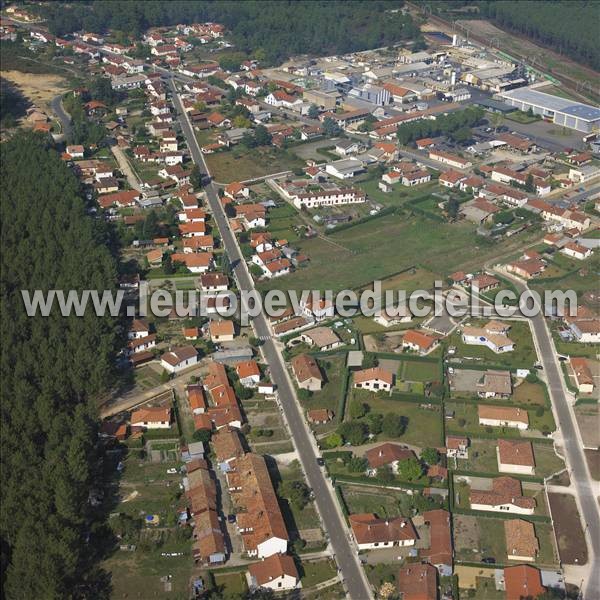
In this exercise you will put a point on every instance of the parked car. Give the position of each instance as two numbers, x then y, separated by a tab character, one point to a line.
489	560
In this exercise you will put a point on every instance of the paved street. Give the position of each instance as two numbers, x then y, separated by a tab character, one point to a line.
63	117
585	488
345	553
125	167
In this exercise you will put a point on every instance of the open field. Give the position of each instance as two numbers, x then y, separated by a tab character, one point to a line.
423	425
375	249
38	88
240	165
568	529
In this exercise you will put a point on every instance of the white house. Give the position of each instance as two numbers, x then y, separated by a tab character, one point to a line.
248	373
575	250
493	336
139	329
277	572
179	358
151	418
503	416
371	532
515	456
375	379
505	496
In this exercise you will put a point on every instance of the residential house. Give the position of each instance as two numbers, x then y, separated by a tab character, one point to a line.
521	542
198	262
221	331
277	572
319	416
371	532
387	454
503	416
420	342
515	456
527	268
214	282
307	373
440	552
584	378
484	283
179	358
457	447
259	518
375	379
196	398
450	159
451	179
139	329
505	496
495	384
522	581
151	417
575	250
417	582
322	337
248	373
492	336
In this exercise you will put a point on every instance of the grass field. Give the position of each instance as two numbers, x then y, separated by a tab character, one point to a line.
230	583
522	117
317	571
530	393
424	426
240	164
382	246
281	220
399	194
146	377
412	370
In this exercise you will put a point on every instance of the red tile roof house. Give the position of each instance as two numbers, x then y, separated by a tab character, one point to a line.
506	496
417	582
422	343
371	532
248	372
236	190
151	418
319	416
522	581
374	380
457	446
515	456
387	454
307	373
440	551
196	399
179	358
277	572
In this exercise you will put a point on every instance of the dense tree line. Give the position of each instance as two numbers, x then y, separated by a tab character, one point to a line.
269	30
570	28
13	104
456	125
53	369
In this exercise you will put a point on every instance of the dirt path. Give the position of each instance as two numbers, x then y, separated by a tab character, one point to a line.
126	169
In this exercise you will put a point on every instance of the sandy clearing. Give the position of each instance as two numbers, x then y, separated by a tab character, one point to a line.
39	88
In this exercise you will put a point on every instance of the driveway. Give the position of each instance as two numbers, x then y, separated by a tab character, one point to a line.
126	169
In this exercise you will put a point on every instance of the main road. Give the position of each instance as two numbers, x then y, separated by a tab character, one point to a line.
585	488
345	553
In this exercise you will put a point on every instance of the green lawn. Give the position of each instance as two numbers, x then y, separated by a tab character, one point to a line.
523	355
424	426
483	458
230	583
399	194
240	164
334	369
146	377
530	393
317	571
522	117
412	370
281	222
386	502
467	412
385	245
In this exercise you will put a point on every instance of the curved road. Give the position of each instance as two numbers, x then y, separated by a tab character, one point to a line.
586	489
63	116
345	553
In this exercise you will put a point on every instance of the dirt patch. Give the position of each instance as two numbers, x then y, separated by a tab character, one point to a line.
567	526
466	533
593	461
39	88
587	420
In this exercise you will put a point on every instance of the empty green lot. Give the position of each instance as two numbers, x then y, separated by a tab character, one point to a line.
380	247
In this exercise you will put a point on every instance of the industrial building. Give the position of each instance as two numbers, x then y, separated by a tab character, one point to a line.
563	112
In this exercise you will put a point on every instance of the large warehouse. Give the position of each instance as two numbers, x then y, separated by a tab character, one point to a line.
561	111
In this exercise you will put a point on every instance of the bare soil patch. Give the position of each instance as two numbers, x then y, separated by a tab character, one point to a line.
567	526
39	88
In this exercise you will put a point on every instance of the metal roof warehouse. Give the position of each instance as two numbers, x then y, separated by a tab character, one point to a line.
563	112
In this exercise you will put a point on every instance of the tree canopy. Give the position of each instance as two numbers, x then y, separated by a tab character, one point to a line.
53	370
